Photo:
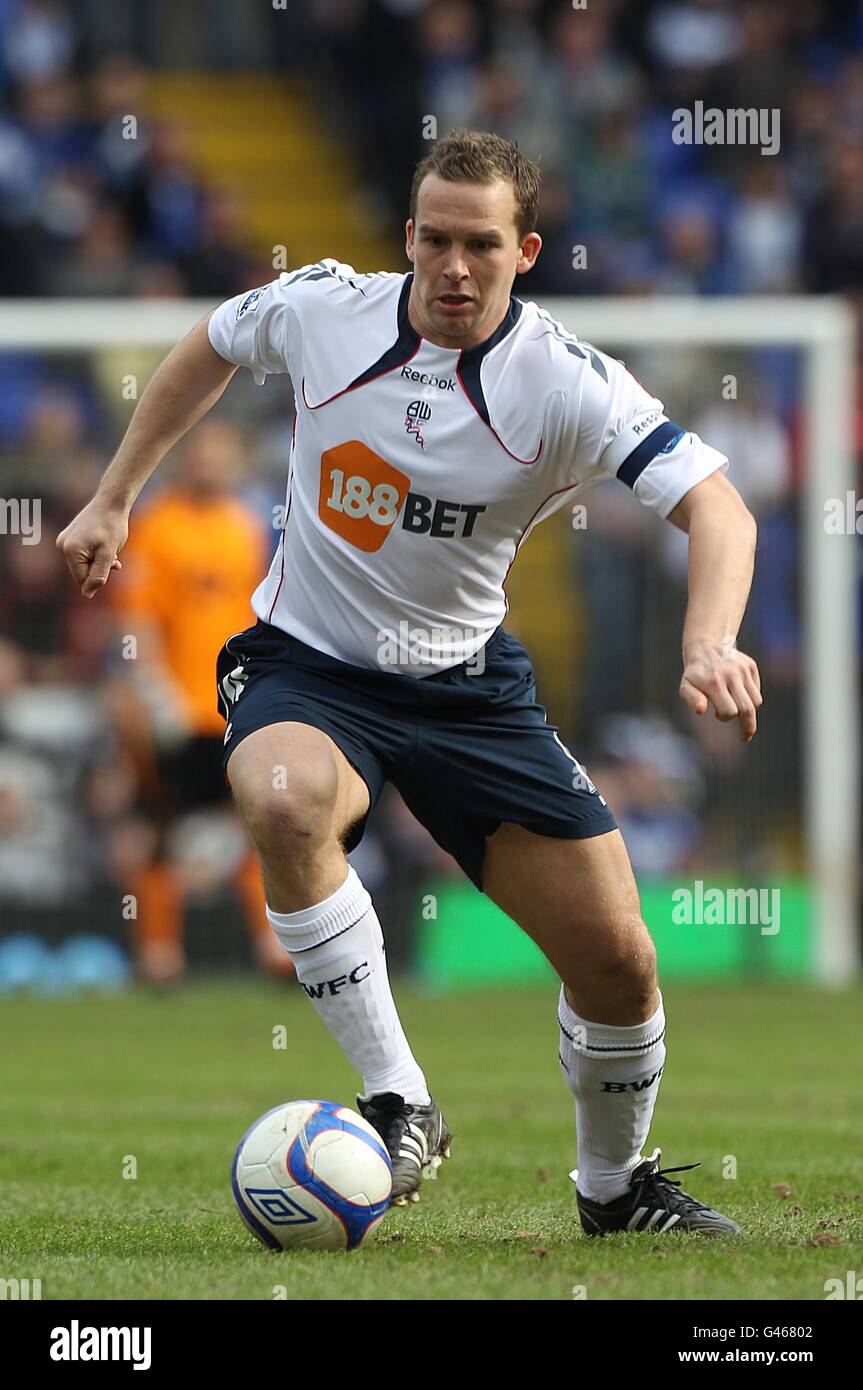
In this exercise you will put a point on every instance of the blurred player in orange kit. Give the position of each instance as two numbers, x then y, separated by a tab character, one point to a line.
194	555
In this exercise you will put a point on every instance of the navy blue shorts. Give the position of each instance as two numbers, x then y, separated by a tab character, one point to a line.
467	748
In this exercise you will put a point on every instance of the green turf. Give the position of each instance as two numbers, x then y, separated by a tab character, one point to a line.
769	1077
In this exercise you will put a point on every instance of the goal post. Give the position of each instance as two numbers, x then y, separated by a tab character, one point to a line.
823	331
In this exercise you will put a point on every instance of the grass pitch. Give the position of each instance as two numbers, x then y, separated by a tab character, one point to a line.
759	1081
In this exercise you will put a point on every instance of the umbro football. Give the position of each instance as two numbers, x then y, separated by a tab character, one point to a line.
311	1175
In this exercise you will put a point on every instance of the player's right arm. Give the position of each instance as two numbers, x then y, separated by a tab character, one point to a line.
259	329
184	387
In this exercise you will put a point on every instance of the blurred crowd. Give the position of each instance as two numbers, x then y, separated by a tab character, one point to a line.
109	769
97	198
590	89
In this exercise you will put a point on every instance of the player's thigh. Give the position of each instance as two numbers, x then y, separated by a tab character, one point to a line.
579	902
292	779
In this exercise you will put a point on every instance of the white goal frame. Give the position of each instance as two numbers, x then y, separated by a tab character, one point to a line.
823	330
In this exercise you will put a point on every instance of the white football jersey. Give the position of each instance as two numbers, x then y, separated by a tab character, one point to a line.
417	471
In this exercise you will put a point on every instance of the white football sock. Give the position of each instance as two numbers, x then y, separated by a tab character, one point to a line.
338	951
614	1073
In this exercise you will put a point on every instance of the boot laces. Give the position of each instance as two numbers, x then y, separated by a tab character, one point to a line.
656	1180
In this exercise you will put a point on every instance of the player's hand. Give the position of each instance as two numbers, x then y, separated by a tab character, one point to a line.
717	674
91	543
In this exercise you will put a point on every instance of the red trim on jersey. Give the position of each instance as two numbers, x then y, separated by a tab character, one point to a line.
526	462
287	514
282	575
568	488
356	385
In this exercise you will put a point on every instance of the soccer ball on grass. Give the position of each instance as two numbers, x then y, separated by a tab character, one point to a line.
311	1175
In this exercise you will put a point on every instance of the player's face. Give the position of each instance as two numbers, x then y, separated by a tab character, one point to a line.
466	252
212	458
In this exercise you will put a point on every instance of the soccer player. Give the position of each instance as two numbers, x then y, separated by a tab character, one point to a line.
439	419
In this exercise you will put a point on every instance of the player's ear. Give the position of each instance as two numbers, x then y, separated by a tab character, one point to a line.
409	239
528	252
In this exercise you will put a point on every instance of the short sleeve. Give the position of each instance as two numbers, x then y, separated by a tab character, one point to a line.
619	430
259	329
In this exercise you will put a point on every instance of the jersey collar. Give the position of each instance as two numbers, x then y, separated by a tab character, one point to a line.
408	342
469	358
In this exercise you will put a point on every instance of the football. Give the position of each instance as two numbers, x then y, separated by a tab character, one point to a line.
311	1175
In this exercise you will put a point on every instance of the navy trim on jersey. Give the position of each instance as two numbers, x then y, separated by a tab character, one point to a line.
319	271
471	359
659	441
469	363
403	348
407	344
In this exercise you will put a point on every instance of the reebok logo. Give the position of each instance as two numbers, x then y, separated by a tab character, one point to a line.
444	383
341	982
647	423
619	1086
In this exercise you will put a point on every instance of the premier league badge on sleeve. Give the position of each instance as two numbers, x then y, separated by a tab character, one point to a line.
250	302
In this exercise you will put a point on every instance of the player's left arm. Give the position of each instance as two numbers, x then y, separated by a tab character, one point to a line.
722	533
612	427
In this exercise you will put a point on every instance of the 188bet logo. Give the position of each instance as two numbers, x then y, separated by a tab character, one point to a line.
362	495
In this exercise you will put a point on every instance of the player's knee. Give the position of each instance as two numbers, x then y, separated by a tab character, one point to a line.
294	814
626	962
